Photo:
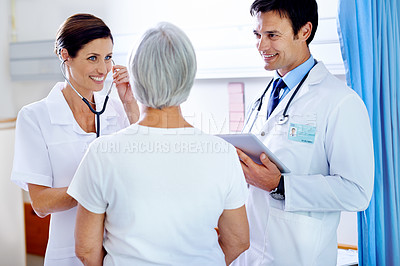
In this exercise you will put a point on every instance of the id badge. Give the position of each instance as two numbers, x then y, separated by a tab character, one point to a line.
302	133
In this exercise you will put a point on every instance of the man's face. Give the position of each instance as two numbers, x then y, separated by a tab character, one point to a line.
277	44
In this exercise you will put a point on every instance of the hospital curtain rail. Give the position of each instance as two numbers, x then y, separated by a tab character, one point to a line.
370	41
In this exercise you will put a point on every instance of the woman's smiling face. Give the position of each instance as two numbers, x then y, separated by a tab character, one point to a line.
89	69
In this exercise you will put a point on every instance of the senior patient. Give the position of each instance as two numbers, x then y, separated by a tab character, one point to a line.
161	186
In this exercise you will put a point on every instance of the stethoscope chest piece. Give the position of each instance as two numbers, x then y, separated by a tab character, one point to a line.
283	119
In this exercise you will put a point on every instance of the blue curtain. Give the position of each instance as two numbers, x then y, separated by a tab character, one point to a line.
370	41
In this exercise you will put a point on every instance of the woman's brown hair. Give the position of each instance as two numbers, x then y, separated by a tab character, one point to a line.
78	30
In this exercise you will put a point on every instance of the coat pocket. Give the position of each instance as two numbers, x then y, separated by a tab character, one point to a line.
291	239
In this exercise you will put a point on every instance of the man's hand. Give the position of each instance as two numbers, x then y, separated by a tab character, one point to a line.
265	176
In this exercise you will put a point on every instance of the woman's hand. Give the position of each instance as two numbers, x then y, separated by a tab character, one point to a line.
121	80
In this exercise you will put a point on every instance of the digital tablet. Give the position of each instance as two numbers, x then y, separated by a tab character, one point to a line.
253	147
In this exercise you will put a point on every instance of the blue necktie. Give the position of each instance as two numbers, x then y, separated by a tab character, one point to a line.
279	84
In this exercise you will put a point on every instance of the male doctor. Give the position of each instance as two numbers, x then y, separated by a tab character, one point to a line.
294	216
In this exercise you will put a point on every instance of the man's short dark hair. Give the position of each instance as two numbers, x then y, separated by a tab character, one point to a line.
299	12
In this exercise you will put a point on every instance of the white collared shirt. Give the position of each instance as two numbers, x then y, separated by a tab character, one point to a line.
49	145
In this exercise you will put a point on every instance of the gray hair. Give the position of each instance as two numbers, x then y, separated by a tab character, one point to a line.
163	68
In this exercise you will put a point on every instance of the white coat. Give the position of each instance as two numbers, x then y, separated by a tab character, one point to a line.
49	145
332	169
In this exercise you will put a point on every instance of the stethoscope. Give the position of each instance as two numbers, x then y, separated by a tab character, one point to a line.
97	113
258	103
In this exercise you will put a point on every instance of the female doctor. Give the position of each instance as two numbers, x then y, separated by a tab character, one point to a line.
52	134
